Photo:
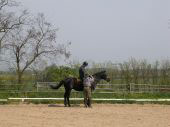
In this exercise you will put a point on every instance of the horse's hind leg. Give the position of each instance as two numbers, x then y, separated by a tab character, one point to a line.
68	88
68	96
65	99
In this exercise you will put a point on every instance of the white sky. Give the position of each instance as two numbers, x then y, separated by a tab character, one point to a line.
109	30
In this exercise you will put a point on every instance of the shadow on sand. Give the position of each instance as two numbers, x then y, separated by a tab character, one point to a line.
60	105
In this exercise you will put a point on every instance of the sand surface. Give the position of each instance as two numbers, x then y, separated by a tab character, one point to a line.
101	115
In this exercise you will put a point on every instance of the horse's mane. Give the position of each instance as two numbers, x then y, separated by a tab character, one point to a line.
99	73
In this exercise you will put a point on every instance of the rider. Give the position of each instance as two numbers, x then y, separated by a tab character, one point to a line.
83	71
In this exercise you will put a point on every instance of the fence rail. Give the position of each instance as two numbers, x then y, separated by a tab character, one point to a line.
95	99
114	88
107	89
136	88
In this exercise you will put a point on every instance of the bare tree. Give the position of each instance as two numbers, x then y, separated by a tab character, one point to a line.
165	66
145	71
135	69
7	3
32	41
125	72
155	72
8	19
37	68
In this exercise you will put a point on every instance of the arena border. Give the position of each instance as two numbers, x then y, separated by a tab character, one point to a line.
95	99
3	100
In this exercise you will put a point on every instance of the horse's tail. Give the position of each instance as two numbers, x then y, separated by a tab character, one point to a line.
57	86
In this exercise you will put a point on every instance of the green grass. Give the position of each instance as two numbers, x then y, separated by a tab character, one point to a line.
58	94
80	95
29	91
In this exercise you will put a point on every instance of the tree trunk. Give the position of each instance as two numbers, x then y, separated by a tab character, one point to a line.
19	78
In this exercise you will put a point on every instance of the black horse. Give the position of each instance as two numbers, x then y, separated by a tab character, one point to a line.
76	84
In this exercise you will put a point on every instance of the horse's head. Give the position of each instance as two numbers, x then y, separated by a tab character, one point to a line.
102	75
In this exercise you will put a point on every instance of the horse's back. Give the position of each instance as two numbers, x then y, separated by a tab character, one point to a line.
74	83
78	85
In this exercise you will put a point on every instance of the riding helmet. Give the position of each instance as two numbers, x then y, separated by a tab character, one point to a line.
85	63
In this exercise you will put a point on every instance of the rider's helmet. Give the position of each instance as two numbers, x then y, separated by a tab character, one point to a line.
85	63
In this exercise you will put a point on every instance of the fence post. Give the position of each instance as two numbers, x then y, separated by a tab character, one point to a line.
37	86
131	85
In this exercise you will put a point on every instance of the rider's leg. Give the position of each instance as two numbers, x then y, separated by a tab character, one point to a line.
85	96
89	97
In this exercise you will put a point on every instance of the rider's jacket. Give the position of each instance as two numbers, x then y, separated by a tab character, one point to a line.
82	72
88	81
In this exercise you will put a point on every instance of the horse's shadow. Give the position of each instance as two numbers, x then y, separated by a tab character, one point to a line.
58	105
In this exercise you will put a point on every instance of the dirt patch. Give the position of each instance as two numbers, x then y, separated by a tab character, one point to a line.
101	115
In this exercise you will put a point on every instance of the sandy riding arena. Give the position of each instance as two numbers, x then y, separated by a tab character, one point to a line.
101	115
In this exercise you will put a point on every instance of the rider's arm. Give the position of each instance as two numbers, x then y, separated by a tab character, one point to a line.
91	79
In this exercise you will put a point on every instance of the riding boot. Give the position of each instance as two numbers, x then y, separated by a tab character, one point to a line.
85	103
89	103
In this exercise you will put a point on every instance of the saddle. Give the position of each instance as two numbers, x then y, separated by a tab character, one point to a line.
77	81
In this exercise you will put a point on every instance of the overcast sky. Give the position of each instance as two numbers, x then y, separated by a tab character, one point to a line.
109	30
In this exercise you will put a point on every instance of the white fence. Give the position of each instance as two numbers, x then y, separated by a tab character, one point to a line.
106	88
95	99
103	88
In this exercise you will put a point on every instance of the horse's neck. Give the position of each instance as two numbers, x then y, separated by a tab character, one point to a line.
96	80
